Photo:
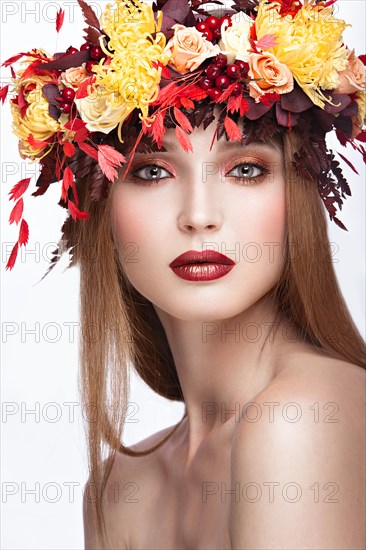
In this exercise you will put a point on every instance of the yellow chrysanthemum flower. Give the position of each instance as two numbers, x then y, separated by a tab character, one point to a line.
310	44
128	79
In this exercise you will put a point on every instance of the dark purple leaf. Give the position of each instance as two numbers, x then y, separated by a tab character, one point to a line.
341	101
296	101
71	60
285	118
89	15
256	110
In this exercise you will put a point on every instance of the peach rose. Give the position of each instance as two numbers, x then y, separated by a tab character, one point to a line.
359	120
273	76
188	48
74	77
352	79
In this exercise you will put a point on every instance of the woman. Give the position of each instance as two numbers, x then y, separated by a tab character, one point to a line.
260	348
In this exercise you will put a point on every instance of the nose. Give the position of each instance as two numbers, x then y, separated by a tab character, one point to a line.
201	210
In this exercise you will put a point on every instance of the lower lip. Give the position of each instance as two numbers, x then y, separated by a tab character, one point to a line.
202	272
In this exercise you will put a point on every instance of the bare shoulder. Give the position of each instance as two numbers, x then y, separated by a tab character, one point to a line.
130	483
306	430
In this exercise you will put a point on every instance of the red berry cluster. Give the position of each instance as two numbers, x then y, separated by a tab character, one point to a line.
68	94
219	76
211	27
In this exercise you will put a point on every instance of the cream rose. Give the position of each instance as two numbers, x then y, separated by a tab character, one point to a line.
100	114
188	49
234	42
272	75
352	79
74	77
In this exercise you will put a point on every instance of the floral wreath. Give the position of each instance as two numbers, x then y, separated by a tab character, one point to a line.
279	64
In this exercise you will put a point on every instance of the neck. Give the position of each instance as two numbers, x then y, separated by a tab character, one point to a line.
224	363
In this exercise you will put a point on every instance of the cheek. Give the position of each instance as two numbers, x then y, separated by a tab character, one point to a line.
130	221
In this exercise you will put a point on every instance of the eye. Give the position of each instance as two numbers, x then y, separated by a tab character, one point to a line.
149	173
250	171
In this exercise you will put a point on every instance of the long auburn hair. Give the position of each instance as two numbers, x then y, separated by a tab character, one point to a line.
119	326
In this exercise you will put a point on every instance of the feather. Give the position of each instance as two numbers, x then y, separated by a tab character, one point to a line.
60	19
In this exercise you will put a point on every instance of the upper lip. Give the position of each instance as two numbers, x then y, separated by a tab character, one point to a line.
195	257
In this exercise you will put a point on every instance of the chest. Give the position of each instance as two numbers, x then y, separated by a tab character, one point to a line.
188	510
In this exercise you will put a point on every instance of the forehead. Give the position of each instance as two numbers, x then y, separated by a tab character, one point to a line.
205	144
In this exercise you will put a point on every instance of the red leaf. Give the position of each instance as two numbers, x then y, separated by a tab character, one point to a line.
16	213
59	19
36	143
23	233
269	98
196	93
232	129
233	104
348	162
75	124
3	93
83	88
13	59
183	139
225	94
67	181
113	156
88	150
12	257
81	135
362	58
69	149
362	136
183	120
89	15
267	41
243	106
186	102
19	188
76	213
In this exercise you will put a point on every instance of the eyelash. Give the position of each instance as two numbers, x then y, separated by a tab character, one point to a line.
244	180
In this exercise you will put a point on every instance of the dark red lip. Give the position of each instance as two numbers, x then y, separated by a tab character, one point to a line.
195	257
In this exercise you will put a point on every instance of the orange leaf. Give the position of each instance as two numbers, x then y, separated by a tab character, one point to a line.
19	188
67	182
182	120
16	213
186	102
12	257
183	139
232	129
23	233
76	213
113	156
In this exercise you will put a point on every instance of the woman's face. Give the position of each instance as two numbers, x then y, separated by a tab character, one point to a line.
230	199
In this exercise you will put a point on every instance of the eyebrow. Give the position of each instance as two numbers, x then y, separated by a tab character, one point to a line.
223	146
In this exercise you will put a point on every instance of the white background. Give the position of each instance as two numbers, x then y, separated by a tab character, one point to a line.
44	450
